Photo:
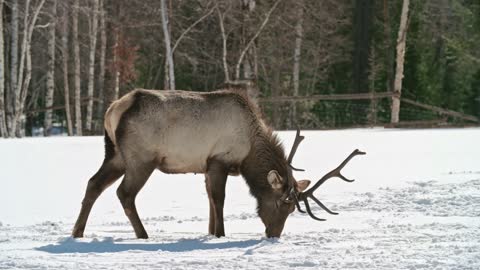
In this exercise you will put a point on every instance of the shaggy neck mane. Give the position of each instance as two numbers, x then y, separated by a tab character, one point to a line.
266	154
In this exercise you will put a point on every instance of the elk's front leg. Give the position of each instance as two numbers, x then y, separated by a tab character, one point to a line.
216	179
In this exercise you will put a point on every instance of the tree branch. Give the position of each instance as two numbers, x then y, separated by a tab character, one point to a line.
224	38
191	27
242	55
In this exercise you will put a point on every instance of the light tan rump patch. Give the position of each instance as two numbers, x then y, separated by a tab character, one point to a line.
115	112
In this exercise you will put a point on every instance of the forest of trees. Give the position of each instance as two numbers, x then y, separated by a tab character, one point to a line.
63	61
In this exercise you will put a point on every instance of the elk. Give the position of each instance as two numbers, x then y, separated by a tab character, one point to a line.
216	133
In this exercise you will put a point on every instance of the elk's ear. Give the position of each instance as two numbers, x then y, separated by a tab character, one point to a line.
302	185
275	180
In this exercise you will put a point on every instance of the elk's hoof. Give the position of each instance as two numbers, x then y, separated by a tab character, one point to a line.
77	234
142	236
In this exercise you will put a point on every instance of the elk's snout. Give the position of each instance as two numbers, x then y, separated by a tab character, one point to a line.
274	231
272	235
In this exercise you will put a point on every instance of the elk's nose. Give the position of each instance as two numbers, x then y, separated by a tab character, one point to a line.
273	233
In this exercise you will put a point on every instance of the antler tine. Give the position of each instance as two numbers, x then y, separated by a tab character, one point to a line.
297	203
335	173
310	211
299	208
322	205
296	143
309	193
295	169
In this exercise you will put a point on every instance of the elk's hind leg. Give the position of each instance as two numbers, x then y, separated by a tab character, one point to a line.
136	175
216	179
108	173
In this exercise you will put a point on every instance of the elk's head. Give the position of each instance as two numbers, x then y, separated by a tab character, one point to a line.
288	193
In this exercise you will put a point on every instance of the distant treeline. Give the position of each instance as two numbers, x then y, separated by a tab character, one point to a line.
63	61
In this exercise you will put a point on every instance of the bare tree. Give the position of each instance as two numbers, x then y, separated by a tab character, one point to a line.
76	60
249	64
401	41
247	83
168	48
224	44
66	87
297	54
103	51
51	69
3	126
12	91
250	43
91	68
25	67
177	42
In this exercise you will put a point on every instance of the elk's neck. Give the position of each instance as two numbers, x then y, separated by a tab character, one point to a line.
265	155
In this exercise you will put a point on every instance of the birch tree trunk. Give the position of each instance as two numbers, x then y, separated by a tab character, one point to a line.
47	125
19	82
296	56
401	41
166	76
248	70
25	68
3	126
103	51
76	60
66	87
91	68
224	45
11	95
168	48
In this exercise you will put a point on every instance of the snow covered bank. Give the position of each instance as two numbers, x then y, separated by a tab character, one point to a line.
415	205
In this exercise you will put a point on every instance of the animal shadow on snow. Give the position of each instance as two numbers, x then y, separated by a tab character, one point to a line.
70	245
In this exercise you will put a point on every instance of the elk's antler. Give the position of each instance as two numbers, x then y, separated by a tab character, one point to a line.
304	196
298	140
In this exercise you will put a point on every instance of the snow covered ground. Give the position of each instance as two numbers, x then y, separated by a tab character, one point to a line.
415	204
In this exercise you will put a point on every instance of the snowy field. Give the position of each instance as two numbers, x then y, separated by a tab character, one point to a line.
415	204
